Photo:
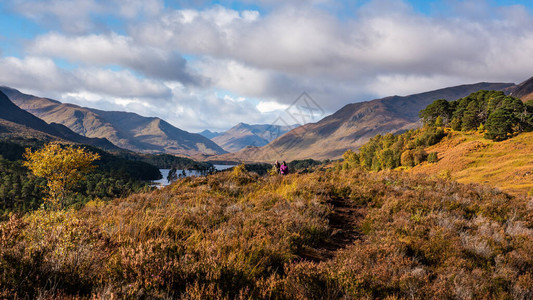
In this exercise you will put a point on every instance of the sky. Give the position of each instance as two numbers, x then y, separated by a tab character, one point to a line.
212	64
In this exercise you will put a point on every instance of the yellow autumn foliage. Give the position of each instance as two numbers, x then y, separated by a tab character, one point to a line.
62	167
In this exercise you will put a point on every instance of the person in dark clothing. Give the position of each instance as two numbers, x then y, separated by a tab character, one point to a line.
277	166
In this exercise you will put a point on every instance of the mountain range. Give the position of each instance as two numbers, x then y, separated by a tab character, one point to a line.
354	124
18	123
244	135
348	128
125	130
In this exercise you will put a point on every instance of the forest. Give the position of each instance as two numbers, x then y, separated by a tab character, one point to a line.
491	113
498	115
21	191
167	161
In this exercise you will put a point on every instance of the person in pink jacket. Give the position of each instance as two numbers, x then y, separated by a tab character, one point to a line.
284	169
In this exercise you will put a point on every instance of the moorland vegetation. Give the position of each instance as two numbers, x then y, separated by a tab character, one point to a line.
237	234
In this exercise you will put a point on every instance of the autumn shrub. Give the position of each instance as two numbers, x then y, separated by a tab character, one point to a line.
224	237
433	157
444	240
51	251
407	159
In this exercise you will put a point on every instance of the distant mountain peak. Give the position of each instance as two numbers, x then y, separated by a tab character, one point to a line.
125	129
209	134
354	124
244	135
21	122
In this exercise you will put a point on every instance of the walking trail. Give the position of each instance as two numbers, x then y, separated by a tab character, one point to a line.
345	222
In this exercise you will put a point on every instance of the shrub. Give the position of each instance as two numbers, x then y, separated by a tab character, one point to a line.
216	237
407	158
419	156
433	157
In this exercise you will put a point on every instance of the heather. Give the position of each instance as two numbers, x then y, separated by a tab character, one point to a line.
239	235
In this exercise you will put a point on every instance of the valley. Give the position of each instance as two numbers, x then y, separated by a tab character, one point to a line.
405	213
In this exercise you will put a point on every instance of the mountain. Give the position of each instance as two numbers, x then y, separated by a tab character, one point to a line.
11	112
126	130
524	90
243	135
354	124
16	122
70	135
209	134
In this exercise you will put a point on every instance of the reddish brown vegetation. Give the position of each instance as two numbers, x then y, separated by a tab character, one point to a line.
236	235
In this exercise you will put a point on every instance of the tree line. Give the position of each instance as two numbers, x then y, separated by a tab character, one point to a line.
496	115
167	161
390	151
499	116
22	191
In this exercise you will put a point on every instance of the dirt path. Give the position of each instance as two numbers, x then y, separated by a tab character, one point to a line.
345	221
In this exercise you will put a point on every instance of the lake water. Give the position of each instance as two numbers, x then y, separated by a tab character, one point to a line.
164	182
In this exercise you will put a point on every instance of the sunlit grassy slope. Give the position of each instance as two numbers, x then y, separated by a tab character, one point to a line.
469	158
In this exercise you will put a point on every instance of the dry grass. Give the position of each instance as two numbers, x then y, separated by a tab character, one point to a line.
469	158
236	235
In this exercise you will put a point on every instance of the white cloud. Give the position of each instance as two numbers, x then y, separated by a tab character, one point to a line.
171	63
121	83
310	49
34	73
114	49
271	106
37	73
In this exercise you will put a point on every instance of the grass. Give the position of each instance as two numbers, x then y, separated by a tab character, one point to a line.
469	158
238	235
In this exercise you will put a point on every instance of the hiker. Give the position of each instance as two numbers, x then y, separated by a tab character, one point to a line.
277	165
284	169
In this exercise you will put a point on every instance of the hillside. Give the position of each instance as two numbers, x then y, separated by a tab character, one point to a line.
524	90
470	158
11	112
354	124
126	130
233	235
243	135
15	132
18	123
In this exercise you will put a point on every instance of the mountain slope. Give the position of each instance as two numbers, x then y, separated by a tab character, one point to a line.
243	135
20	123
470	158
126	130
354	124
10	112
17	132
524	90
